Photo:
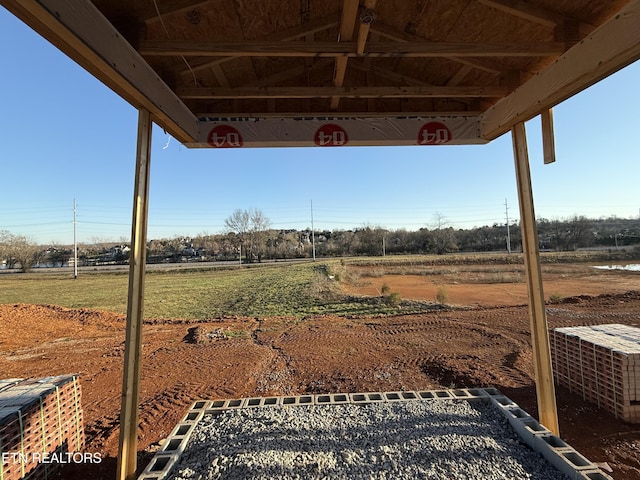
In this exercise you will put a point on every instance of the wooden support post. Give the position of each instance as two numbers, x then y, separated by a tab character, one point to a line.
548	138
127	450
545	390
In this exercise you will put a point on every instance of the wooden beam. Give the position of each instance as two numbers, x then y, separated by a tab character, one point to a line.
355	114
299	31
150	15
611	47
526	11
545	390
340	92
531	13
78	29
288	74
398	78
548	137
398	36
347	49
347	26
457	78
363	28
220	76
128	441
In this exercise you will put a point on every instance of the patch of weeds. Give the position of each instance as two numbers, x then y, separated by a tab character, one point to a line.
322	287
392	299
442	296
236	334
555	298
503	277
376	272
385	289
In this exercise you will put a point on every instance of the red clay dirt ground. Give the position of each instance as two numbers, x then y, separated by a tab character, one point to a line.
485	345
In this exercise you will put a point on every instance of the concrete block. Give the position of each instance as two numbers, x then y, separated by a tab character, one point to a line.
570	462
367	397
400	396
492	391
298	400
159	467
593	475
530	431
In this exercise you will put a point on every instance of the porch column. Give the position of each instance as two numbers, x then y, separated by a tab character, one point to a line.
128	446
545	390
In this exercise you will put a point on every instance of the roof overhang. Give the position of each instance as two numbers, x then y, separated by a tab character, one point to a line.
79	28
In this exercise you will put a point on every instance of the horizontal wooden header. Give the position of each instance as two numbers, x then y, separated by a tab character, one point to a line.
337	132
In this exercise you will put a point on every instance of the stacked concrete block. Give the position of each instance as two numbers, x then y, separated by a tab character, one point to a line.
41	426
558	453
601	363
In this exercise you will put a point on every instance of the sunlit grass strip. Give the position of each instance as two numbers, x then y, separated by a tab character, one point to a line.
285	290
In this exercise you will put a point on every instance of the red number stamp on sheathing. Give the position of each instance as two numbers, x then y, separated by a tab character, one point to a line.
434	133
224	136
331	135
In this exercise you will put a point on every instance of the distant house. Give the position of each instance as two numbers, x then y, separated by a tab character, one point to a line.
119	251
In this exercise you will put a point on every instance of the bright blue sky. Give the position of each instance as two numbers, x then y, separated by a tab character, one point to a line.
63	135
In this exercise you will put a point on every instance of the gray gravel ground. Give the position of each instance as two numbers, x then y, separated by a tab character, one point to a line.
443	439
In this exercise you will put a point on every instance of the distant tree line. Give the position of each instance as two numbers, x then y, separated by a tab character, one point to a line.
249	238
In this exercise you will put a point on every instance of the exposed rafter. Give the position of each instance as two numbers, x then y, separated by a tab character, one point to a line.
309	28
288	74
532	13
347	26
392	34
609	48
150	15
348	49
341	92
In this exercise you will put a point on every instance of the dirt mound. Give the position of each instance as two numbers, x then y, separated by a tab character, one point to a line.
201	335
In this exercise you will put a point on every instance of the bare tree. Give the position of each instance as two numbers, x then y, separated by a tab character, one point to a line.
17	250
443	235
251	227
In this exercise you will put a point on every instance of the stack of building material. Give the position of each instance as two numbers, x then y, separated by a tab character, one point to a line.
41	426
602	363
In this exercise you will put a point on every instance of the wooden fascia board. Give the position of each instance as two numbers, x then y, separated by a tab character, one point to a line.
79	30
347	49
608	49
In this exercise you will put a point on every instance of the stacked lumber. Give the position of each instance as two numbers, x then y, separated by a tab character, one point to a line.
41	426
602	363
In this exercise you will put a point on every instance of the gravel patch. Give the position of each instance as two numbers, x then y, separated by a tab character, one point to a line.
444	439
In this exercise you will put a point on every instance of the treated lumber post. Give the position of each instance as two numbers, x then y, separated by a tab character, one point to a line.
548	140
545	389
127	449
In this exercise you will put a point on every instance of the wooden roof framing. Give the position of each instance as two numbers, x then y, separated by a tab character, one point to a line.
499	61
232	73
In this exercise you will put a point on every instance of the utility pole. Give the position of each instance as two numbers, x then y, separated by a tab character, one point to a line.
313	235
75	242
384	248
506	211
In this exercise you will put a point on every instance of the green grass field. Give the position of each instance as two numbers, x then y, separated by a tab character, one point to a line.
296	290
283	290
